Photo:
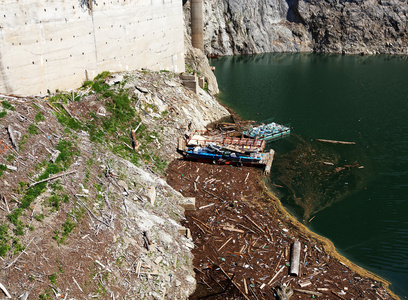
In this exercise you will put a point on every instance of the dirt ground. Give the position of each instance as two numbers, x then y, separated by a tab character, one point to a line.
243	241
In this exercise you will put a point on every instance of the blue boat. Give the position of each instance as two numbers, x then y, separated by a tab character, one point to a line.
218	154
268	132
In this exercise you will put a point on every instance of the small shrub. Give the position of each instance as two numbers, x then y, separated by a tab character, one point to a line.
39	117
3	114
2	169
32	129
53	278
10	158
7	105
4	237
39	217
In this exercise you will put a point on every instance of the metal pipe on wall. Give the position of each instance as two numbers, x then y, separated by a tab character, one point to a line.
197	35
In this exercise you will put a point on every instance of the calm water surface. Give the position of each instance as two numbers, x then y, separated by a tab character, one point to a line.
351	98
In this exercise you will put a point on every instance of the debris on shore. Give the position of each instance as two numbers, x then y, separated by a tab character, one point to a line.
244	242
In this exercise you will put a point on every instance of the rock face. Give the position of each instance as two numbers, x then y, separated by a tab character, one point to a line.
246	27
336	26
359	26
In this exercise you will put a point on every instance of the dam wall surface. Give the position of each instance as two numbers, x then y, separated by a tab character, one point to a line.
57	44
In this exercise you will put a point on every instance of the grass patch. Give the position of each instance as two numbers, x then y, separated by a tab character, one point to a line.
39	117
4	238
3	114
63	161
7	105
53	278
2	169
32	129
67	228
39	217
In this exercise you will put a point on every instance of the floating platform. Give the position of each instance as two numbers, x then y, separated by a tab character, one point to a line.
216	154
203	138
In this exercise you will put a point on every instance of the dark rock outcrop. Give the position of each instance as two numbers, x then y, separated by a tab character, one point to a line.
332	26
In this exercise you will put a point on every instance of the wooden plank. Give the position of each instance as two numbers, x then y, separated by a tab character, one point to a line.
335	142
269	162
181	144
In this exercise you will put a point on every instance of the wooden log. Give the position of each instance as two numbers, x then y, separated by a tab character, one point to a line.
201	223
205	206
295	259
276	275
3	288
257	226
12	137
308	292
269	162
335	142
224	244
135	143
52	177
233	229
67	110
148	237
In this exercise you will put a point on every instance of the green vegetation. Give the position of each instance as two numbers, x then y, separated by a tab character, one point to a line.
17	246
53	278
7	105
63	161
2	169
47	295
32	129
39	217
114	131
10	157
39	117
67	228
4	238
3	114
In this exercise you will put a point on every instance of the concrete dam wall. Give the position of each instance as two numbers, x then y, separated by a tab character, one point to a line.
57	44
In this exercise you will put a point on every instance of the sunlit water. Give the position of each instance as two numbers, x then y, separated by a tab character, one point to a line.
348	98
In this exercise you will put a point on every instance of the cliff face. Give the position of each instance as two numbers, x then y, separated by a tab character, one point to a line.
359	26
245	27
355	26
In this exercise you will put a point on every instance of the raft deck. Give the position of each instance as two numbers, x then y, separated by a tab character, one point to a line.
203	138
266	160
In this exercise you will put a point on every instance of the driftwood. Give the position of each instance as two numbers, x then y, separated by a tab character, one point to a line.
67	110
92	214
52	177
257	226
276	275
3	288
77	284
308	292
335	142
135	142
294	259
224	244
12	263
12	137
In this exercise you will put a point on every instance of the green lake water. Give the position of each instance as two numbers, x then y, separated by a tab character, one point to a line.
363	209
